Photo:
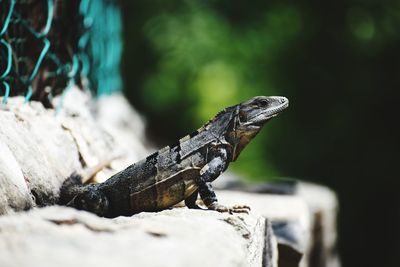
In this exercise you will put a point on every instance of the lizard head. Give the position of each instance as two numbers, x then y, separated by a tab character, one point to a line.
250	117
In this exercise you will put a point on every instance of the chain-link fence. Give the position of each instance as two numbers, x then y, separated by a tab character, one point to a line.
46	46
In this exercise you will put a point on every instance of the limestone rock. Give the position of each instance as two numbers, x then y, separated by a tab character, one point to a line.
291	247
76	117
40	148
288	210
14	192
44	154
323	209
273	207
270	255
59	236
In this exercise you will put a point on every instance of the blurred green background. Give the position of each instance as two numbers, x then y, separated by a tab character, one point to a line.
338	62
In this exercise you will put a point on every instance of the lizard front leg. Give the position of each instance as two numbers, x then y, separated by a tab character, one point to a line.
208	174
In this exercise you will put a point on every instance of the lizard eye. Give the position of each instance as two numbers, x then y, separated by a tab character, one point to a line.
263	103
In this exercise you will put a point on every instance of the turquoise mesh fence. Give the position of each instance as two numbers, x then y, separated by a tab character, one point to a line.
101	45
46	46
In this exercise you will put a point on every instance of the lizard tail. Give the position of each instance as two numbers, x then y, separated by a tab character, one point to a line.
70	188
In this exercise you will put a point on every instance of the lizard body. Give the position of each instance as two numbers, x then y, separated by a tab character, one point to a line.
181	171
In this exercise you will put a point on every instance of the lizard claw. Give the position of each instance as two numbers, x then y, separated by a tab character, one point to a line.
241	209
231	210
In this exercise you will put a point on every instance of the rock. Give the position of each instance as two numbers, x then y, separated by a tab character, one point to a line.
304	223
60	236
273	207
108	128
289	210
14	192
290	238
41	147
122	121
270	257
77	119
323	208
44	153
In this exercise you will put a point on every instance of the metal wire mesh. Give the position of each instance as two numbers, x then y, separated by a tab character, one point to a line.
46	46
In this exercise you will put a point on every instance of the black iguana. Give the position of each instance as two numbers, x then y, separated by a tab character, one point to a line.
181	171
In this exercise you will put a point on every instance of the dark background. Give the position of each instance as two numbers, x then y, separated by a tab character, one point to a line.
338	62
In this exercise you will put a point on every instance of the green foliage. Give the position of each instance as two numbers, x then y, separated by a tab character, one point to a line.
200	52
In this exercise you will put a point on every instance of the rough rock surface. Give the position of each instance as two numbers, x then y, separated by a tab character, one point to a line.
40	148
304	223
60	236
287	213
14	192
323	208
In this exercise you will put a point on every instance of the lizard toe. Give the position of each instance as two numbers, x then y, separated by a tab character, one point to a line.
231	210
241	207
239	211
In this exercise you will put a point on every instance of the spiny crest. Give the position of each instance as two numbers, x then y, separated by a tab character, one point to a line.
205	127
217	117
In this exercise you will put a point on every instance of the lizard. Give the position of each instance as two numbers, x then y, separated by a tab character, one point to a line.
178	172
